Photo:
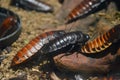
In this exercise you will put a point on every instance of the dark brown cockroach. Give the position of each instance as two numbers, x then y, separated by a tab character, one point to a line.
37	5
34	46
10	27
7	24
65	40
83	8
103	41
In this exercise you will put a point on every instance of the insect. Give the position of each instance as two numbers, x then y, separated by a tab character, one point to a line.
103	41
65	40
33	5
34	46
7	24
83	8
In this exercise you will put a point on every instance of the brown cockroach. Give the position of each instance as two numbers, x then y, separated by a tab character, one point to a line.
34	46
7	24
103	41
83	8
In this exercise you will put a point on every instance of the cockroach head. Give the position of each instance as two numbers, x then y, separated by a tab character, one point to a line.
83	37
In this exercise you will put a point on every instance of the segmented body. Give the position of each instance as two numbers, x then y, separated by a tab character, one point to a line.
64	41
34	46
6	25
102	42
83	8
33	4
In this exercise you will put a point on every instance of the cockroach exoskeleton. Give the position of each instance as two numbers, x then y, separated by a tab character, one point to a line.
7	24
65	40
34	46
85	7
103	41
33	5
10	27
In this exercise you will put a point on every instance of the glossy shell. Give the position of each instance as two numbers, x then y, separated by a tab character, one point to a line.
103	41
34	46
84	8
65	41
13	34
37	5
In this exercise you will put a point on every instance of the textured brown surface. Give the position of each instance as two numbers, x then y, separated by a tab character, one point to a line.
79	63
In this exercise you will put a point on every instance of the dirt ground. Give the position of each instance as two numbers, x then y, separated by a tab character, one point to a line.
33	23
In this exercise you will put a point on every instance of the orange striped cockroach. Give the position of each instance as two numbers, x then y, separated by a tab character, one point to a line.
103	41
83	8
7	24
34	46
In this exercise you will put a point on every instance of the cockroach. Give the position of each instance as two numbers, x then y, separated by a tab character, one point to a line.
7	24
103	41
37	5
65	40
34	46
83	8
